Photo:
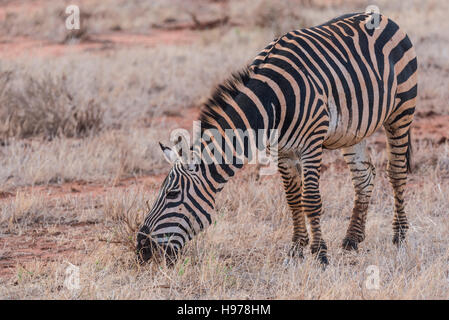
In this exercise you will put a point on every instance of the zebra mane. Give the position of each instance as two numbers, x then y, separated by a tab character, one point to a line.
228	89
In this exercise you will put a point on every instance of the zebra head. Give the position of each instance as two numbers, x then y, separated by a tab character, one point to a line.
182	209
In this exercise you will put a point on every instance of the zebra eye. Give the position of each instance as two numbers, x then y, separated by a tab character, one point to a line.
173	194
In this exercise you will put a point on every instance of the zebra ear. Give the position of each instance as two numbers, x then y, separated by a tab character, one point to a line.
170	155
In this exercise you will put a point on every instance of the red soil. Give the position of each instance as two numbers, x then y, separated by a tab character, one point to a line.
44	245
11	48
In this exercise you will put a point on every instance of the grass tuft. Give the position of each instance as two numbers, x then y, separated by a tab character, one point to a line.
45	107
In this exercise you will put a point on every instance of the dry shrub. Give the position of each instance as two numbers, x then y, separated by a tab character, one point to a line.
125	211
23	211
44	107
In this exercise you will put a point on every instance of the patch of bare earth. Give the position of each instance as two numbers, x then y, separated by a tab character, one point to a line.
15	47
432	127
45	244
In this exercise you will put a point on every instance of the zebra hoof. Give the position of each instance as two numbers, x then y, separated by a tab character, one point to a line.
295	255
321	257
289	262
349	244
399	240
296	251
319	251
323	260
292	261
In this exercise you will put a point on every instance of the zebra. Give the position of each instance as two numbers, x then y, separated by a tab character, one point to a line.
325	87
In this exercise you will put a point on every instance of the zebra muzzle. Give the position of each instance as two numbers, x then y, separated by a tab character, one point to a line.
146	247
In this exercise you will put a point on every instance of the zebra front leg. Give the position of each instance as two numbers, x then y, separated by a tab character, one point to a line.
363	174
289	170
311	200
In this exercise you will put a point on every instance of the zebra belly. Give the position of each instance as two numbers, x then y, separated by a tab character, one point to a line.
340	133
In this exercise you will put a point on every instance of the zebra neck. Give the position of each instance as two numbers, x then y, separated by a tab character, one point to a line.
234	126
226	151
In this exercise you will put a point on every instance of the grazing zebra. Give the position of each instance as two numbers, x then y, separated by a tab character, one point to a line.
325	87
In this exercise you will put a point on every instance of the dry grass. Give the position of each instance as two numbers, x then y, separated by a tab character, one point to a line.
138	96
233	260
108	157
44	107
31	210
125	212
137	89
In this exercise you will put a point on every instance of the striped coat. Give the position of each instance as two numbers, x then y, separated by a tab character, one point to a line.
325	87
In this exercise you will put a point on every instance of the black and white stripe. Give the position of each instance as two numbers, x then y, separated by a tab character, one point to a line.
325	87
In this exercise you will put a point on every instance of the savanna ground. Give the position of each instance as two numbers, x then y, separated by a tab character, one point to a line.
81	113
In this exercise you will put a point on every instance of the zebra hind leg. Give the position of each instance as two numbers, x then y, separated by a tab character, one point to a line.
397	129
363	174
289	170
